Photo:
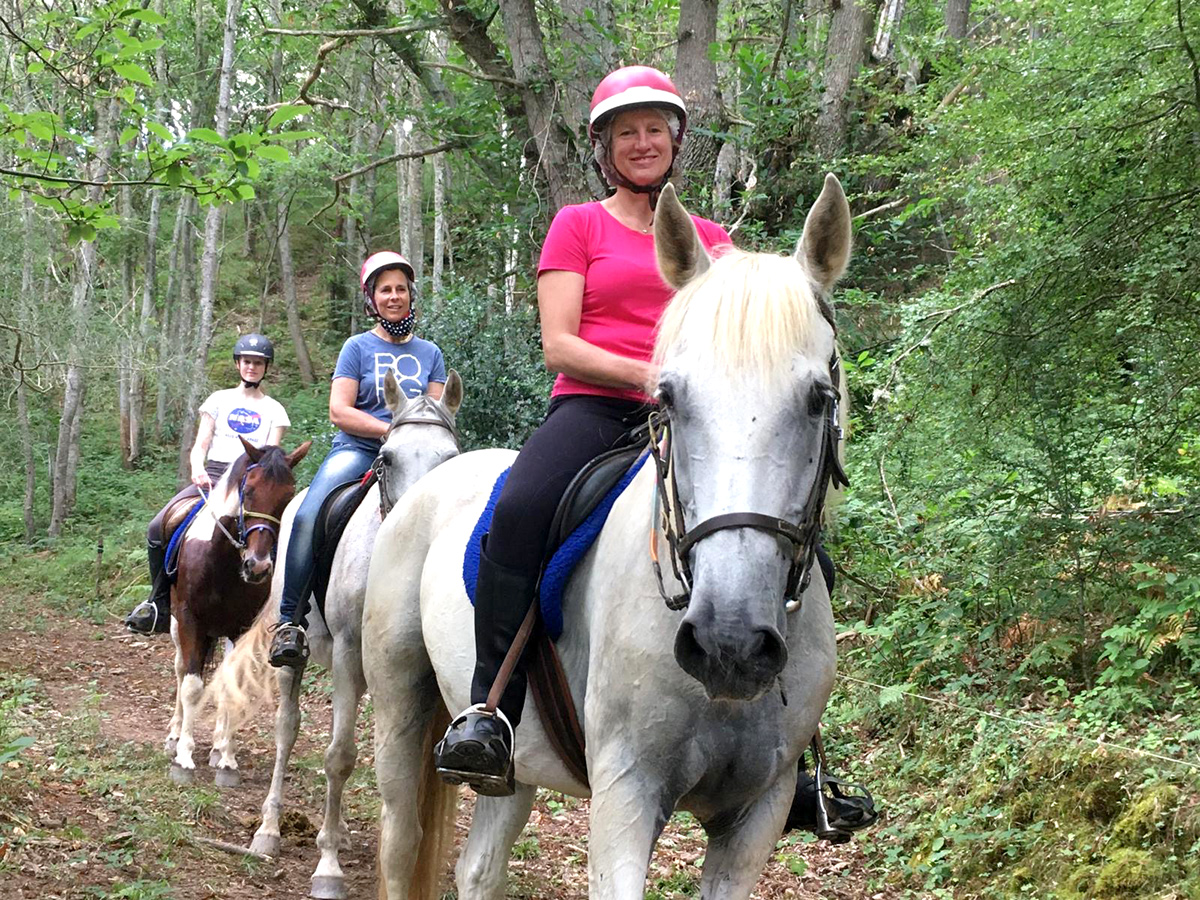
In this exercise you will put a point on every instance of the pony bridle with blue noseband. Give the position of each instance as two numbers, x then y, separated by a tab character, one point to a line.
243	532
802	536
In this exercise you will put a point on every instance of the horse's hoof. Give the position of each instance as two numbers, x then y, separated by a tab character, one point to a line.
328	887
180	775
226	777
266	844
214	758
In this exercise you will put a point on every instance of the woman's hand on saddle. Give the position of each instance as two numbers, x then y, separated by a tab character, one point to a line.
201	480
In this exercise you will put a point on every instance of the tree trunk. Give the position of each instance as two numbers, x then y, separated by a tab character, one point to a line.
696	78
127	362
844	56
137	389
889	21
66	454
563	180
168	320
816	21
589	53
288	276
958	15
26	436
416	213
210	256
402	196
439	230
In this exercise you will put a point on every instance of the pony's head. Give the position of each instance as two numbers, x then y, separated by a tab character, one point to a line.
263	483
746	381
422	435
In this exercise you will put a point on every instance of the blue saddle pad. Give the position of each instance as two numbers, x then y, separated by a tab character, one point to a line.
558	570
173	545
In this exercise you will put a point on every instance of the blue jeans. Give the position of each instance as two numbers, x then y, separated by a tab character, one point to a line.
343	464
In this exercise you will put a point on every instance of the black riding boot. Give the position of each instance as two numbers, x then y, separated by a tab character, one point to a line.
478	746
153	615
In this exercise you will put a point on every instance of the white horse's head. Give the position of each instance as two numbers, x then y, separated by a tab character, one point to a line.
409	452
746	348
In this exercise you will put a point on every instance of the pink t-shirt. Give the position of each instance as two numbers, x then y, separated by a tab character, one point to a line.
623	293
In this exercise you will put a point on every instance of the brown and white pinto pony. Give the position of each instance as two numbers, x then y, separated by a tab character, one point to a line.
223	579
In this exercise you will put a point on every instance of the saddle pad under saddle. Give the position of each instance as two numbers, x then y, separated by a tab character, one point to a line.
176	542
587	508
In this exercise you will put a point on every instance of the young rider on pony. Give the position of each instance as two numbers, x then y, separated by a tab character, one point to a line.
358	408
600	297
243	411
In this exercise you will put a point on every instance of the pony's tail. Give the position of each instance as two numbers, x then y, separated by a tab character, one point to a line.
244	681
437	803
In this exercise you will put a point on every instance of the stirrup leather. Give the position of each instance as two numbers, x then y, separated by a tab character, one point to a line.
484	783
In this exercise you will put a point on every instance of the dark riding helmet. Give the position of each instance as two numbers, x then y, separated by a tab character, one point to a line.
254	345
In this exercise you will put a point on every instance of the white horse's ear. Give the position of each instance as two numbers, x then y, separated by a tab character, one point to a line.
681	256
392	395
824	247
298	454
452	393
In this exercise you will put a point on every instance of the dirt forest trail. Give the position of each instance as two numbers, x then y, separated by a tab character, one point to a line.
88	810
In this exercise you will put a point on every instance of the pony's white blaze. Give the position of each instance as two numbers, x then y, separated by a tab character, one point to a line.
741	357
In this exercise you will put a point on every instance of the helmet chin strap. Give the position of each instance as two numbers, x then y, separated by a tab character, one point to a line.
251	384
612	175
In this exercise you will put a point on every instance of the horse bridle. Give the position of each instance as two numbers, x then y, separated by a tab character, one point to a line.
441	416
802	536
243	532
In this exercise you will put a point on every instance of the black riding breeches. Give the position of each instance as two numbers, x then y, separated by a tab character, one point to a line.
577	428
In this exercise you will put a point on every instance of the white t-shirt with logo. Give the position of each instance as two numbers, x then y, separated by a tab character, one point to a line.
237	416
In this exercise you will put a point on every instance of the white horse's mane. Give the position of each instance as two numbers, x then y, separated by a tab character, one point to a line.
749	310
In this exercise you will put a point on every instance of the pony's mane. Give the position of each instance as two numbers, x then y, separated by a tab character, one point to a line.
274	464
748	310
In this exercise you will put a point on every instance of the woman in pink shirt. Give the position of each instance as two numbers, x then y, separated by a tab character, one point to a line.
600	297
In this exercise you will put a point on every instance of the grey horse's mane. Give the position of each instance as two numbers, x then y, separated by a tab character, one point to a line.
751	311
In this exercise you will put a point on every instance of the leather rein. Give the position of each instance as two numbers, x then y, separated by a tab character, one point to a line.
803	536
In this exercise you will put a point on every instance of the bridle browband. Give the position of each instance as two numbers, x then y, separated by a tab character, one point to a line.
243	532
440	416
803	536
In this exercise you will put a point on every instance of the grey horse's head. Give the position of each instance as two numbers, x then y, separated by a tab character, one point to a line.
422	436
746	381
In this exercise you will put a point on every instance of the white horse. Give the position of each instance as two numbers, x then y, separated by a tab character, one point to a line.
422	436
705	709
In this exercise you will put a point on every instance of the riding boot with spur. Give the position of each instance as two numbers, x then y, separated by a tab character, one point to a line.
153	615
478	746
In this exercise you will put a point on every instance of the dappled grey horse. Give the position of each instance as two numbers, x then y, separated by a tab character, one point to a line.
696	693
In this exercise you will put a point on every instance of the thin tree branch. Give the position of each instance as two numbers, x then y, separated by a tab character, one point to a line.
319	64
878	209
428	25
81	182
482	76
454	144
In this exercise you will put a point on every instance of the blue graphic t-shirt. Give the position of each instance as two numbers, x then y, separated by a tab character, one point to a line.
367	357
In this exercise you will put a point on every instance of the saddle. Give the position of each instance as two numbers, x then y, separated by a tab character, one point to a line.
332	519
175	525
581	514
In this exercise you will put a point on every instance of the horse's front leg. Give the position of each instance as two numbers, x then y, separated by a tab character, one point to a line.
482	870
628	812
737	854
180	670
223	757
287	727
328	880
192	646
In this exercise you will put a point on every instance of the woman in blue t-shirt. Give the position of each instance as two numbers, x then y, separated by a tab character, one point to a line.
358	409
